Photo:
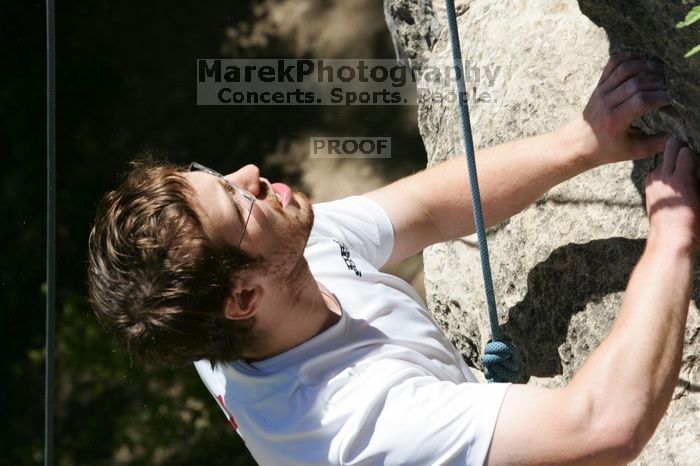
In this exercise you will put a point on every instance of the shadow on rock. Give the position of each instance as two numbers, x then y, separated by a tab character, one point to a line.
640	170
570	278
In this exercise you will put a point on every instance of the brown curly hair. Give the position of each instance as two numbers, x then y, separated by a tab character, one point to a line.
157	283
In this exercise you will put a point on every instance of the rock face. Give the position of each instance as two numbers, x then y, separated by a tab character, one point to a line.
560	268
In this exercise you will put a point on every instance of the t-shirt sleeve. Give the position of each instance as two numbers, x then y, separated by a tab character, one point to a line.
360	223
424	421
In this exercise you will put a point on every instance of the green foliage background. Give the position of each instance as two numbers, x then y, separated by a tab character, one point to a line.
692	17
126	83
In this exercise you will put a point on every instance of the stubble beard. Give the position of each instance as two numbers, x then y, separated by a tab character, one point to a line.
289	267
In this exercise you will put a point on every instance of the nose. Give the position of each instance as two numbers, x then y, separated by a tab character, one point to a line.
248	178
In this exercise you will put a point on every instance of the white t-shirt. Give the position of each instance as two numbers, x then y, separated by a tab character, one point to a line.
383	386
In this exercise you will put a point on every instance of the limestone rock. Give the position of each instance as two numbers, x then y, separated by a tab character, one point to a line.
560	267
413	26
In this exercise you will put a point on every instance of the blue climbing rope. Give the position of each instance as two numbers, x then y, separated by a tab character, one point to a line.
500	358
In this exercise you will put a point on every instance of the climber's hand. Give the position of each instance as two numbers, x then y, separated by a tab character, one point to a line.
673	204
628	88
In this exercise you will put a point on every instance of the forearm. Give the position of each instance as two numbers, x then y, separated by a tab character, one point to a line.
630	378
511	177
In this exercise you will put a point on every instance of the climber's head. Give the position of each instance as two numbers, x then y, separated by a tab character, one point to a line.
180	259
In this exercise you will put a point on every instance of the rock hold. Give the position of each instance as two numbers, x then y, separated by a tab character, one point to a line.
649	27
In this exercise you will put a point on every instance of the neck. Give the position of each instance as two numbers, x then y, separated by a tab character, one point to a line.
298	312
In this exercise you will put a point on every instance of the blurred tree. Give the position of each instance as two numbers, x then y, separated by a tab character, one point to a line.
22	220
126	84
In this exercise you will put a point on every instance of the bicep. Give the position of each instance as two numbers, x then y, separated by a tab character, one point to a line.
414	228
428	207
542	426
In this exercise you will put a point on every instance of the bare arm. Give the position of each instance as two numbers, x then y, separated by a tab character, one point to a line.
435	205
511	177
614	403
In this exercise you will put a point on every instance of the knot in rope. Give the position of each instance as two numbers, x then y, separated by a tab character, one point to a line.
500	362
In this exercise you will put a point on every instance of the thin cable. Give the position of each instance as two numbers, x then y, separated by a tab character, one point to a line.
50	231
500	357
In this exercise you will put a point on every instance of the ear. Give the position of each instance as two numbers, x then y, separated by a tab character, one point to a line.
244	301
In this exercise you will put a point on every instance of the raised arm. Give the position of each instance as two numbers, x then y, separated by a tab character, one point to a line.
612	406
435	205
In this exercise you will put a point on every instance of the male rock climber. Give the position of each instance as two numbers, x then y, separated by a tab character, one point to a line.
317	357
